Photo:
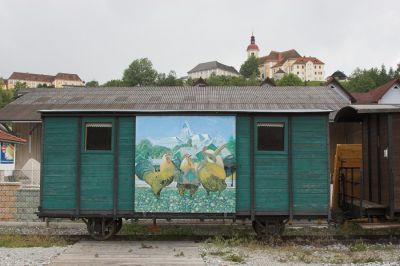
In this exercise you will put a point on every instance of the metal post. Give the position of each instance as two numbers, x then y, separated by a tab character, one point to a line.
290	169
390	164
252	170
116	162
78	167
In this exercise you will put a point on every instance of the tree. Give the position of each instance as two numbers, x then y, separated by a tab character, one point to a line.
114	83
6	96
290	80
250	67
140	72
170	80
20	85
42	85
397	72
215	80
92	83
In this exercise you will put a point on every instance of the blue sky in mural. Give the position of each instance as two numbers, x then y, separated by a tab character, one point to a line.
156	127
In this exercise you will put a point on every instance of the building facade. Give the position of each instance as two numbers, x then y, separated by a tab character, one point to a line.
35	80
276	64
205	70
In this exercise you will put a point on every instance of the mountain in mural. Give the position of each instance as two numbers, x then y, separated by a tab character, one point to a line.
185	136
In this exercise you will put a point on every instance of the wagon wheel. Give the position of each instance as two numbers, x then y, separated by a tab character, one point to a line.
101	228
118	225
268	226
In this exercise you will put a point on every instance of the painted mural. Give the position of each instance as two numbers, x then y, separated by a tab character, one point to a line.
185	164
7	153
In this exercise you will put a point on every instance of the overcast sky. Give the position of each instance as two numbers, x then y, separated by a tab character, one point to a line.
98	39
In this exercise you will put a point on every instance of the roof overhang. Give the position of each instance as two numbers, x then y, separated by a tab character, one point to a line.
20	121
354	113
133	111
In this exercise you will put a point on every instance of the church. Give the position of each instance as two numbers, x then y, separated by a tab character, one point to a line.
276	64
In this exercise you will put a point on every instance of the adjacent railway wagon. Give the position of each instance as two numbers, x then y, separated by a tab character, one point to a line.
372	188
258	153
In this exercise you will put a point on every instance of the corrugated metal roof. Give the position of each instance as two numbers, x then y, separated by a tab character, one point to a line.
375	108
180	99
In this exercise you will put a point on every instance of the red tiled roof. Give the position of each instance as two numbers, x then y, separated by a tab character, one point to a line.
31	77
7	137
374	95
252	46
67	76
275	56
303	60
44	78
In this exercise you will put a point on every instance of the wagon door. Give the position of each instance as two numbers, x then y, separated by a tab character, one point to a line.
271	165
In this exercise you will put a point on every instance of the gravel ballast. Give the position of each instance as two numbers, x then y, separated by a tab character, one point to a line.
28	256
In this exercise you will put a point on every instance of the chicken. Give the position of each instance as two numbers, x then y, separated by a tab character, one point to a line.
157	180
188	180
211	171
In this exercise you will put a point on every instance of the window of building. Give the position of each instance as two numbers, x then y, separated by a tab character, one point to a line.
302	67
298	67
270	136
298	72
319	67
315	73
98	136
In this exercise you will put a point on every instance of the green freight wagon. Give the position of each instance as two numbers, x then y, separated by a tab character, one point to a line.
258	153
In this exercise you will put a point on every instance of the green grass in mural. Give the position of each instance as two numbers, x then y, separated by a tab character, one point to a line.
171	201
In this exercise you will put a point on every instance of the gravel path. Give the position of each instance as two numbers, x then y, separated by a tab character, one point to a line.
28	256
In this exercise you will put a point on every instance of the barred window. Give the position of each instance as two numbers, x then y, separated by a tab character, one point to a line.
98	136
270	136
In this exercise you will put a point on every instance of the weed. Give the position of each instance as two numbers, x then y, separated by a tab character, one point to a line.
358	246
180	254
143	245
304	257
367	260
130	250
219	253
96	255
238	258
337	259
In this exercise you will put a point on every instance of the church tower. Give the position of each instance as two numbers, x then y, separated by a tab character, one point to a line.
252	49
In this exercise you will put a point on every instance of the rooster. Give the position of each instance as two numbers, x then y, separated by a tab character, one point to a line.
157	180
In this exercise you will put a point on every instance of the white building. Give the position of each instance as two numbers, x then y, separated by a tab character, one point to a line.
275	64
205	70
308	69
388	93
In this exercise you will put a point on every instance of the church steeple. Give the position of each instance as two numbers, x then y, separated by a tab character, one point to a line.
252	49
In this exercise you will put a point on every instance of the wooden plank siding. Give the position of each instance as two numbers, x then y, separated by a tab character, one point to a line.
243	163
97	171
126	165
271	174
310	163
396	159
309	166
60	162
